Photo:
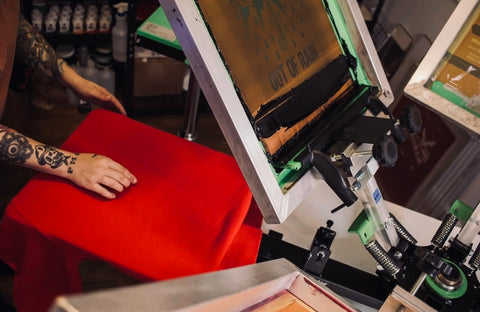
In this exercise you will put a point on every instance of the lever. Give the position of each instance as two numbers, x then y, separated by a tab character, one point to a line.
332	176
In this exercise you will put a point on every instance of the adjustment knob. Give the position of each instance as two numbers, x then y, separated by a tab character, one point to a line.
386	152
411	119
397	133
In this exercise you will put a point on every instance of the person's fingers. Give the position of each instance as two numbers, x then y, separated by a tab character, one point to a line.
96	94
97	188
113	183
107	100
123	171
116	103
102	175
118	177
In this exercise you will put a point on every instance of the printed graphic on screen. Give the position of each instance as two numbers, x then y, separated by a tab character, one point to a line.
285	301
274	51
458	76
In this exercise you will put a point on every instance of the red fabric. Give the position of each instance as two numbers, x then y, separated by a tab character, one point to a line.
188	214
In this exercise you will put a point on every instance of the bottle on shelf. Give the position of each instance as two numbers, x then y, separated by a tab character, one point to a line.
40	5
67	53
87	70
105	18
37	20
91	18
103	63
78	19
119	33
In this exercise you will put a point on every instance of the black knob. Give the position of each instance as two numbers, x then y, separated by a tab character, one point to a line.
386	152
329	224
397	133
411	119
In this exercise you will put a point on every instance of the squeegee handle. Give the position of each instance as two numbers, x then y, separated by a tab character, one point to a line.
332	177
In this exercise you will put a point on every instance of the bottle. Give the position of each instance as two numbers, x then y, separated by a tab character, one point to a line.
64	22
119	33
105	18
91	19
89	72
40	5
78	19
103	63
37	20
67	53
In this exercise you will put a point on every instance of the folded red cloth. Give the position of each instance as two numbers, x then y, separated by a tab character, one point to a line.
186	215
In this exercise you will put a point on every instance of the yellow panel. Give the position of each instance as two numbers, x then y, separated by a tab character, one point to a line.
270	46
459	70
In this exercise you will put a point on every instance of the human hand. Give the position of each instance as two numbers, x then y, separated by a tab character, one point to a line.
93	93
100	174
90	91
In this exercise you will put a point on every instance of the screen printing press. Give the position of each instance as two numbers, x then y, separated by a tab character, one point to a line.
302	99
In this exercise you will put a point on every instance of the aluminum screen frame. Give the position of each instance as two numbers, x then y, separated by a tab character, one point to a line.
214	79
416	89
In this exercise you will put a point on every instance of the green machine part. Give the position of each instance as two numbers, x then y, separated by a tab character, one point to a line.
366	229
158	28
461	210
363	227
448	294
439	88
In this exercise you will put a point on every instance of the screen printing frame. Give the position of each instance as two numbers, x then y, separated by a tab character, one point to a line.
238	289
416	88
216	83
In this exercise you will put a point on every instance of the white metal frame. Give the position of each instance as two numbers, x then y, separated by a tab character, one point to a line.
416	86
365	48
216	84
235	289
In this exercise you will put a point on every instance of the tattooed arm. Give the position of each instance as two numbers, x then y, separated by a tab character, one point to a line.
93	172
34	50
99	174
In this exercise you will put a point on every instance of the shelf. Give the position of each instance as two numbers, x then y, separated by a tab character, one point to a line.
78	39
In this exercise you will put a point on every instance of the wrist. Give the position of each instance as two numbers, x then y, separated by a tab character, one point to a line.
55	161
70	163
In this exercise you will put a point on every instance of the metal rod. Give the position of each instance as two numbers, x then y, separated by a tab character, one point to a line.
191	109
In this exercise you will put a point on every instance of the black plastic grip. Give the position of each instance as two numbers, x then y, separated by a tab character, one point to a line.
333	177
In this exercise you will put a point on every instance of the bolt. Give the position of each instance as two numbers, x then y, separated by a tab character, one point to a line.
389	223
360	175
320	255
356	186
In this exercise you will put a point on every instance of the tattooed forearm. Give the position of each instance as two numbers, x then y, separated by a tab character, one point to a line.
14	147
18	149
47	155
34	50
73	161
